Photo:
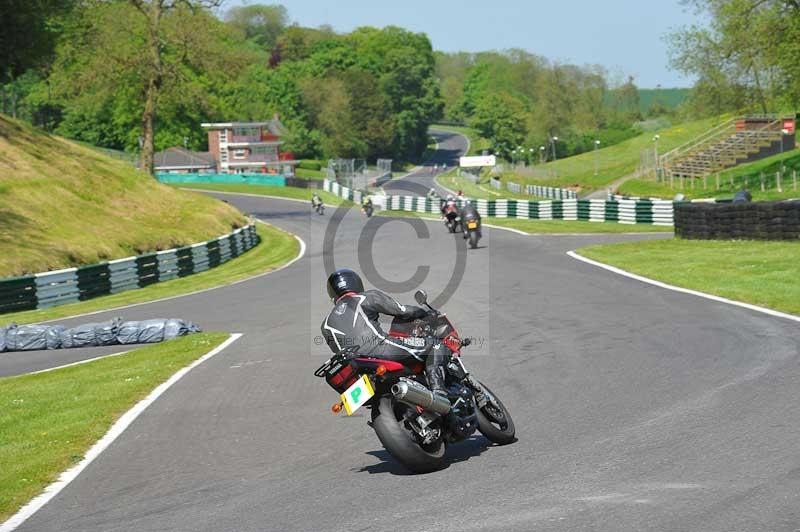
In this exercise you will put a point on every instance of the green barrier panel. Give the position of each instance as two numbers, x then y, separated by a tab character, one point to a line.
272	180
558	210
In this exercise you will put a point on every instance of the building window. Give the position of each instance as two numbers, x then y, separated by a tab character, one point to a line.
240	154
223	135
247	132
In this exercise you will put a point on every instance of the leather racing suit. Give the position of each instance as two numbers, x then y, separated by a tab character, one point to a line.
354	322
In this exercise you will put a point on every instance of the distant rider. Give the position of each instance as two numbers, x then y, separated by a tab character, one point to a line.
354	322
470	212
316	202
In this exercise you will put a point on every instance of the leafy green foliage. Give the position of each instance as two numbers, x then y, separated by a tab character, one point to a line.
747	58
540	100
368	94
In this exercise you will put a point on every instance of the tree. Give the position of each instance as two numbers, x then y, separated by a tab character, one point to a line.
748	55
261	24
27	40
135	58
500	117
627	101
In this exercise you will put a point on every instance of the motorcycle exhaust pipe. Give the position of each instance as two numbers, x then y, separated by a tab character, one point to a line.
414	394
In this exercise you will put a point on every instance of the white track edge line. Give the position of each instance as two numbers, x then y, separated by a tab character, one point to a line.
298	257
719	299
76	363
102	444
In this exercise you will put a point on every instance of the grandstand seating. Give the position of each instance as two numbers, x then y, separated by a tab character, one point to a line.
737	141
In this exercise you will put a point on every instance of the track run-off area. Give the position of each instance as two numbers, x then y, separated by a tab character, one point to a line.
637	408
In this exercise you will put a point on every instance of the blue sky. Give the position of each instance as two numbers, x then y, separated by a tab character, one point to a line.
625	36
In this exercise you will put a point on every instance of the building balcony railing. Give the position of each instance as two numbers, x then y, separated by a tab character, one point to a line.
244	138
261	158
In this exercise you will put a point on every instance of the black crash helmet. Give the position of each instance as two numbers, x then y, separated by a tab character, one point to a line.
344	280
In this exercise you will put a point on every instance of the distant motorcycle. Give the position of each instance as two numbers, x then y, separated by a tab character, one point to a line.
320	208
472	231
368	209
451	216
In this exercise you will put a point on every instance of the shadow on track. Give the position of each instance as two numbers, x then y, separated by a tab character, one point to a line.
460	452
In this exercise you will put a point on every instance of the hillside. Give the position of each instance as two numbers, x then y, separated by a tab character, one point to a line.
64	205
614	162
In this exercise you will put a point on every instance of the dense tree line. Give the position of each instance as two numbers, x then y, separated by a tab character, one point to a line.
515	98
142	75
746	59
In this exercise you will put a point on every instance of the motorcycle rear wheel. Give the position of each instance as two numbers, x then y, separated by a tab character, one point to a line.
401	441
494	421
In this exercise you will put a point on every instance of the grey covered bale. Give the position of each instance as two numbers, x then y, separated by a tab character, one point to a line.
38	337
91	334
152	331
53	336
26	337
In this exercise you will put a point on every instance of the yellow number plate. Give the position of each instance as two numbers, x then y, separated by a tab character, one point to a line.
357	394
472	225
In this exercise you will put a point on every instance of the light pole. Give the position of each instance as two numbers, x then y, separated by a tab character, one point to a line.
530	156
553	142
541	154
655	152
596	157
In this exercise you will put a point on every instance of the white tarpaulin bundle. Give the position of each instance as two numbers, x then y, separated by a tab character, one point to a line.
36	337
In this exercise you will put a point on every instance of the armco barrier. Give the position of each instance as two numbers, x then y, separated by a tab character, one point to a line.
342	191
653	212
273	180
768	220
49	289
550	192
625	211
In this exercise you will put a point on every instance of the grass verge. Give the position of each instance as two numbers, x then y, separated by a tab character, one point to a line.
548	226
276	248
49	420
283	192
64	205
759	273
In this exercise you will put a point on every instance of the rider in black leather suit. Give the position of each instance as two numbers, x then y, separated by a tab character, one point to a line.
354	322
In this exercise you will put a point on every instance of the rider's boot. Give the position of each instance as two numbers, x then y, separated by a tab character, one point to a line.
434	369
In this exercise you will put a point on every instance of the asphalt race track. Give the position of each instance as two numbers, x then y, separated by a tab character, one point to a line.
636	408
450	147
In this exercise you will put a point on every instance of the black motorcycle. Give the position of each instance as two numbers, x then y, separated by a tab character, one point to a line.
368	209
452	220
320	208
414	424
472	231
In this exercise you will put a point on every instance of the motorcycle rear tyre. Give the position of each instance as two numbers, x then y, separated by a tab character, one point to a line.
473	239
402	445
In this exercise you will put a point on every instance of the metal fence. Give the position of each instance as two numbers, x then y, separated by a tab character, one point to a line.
50	289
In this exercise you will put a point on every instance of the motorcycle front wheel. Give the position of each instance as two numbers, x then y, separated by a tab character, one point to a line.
494	420
473	239
401	441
